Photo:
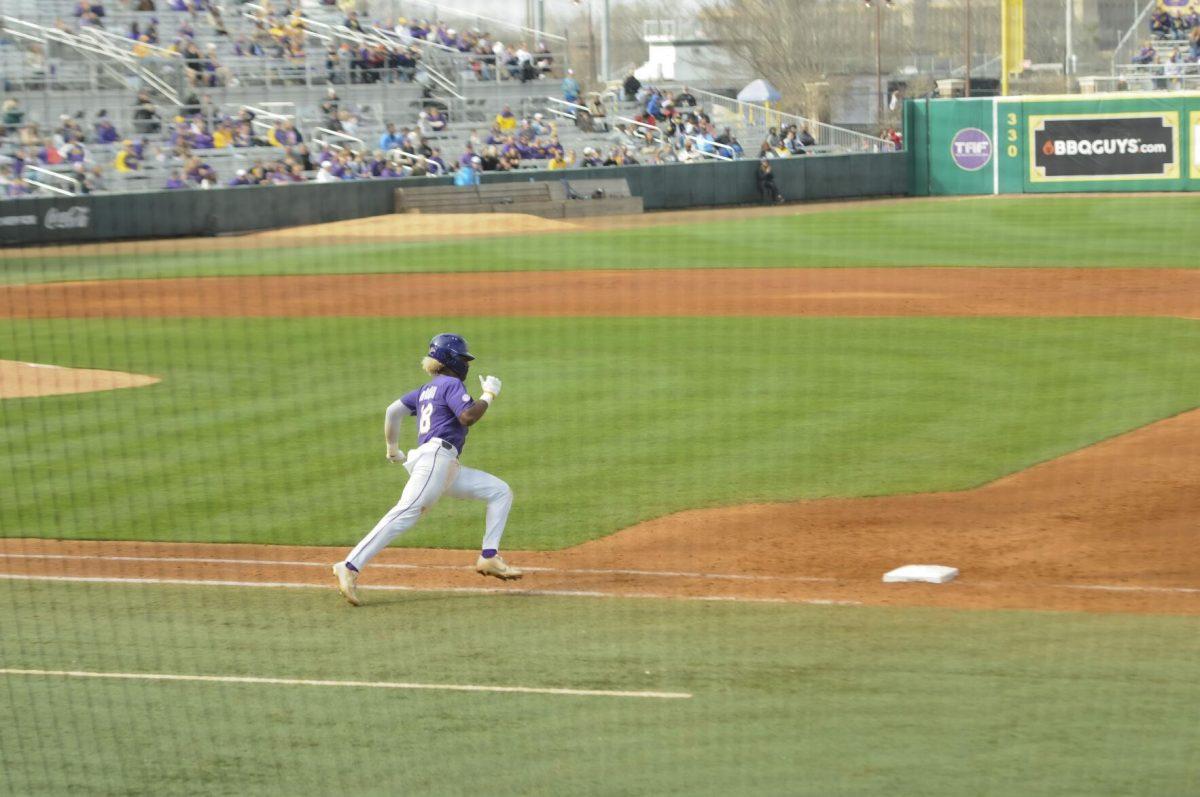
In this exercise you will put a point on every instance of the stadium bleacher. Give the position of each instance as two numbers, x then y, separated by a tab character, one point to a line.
201	94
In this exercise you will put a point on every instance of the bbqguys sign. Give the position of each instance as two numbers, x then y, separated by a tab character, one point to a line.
1124	146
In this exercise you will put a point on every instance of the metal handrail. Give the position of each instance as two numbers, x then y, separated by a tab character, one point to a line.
399	153
820	130
345	136
663	138
95	45
438	7
1120	54
54	189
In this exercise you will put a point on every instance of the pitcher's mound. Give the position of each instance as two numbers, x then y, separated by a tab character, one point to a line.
420	226
27	380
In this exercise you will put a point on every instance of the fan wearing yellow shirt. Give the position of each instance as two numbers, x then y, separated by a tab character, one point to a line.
560	162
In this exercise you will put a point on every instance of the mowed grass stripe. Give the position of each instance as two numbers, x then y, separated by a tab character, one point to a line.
266	681
1082	231
268	430
788	699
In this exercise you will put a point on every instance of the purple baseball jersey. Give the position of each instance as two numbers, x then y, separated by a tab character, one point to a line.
437	405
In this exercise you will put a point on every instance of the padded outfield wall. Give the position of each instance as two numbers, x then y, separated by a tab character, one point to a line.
164	214
1014	145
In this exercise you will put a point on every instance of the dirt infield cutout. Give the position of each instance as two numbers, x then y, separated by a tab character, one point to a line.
31	380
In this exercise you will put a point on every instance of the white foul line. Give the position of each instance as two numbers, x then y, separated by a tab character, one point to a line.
529	569
246	679
558	593
1124	588
534	569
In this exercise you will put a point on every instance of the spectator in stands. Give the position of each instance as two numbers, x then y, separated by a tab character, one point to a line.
200	137
83	182
490	160
631	87
48	154
1172	70
390	140
105	132
127	159
806	138
561	161
767	189
791	143
689	152
654	105
325	173
1160	24
590	158
222	135
570	87
175	181
539	126
1194	43
468	174
74	153
767	151
13	116
543	61
506	120
436	119
685	99
284	134
435	157
1146	55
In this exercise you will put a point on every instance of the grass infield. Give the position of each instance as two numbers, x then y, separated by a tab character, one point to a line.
1127	232
787	699
269	430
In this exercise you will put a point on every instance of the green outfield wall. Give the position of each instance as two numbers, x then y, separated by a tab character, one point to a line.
162	214
1026	145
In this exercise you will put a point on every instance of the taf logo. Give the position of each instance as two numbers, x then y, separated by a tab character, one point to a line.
971	149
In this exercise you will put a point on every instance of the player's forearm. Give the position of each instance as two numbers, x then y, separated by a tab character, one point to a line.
391	423
473	413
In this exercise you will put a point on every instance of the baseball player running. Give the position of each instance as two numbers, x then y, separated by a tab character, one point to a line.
444	411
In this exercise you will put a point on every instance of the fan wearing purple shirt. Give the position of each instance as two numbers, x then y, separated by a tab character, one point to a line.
445	411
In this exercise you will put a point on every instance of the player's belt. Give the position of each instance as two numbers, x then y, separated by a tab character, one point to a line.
448	446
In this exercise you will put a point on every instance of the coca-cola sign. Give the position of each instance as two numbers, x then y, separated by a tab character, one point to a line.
74	218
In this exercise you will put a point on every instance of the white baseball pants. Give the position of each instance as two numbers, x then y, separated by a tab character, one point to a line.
435	471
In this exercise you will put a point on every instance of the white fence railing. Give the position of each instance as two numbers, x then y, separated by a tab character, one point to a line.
1129	43
754	120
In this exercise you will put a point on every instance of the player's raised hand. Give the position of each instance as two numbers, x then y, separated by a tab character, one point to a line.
396	456
490	384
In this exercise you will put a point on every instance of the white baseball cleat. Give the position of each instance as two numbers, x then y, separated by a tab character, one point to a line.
495	566
347	583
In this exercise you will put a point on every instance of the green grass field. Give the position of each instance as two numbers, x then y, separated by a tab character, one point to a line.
1126	232
270	430
787	699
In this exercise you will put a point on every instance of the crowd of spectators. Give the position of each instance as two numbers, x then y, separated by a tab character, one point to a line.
277	34
1178	26
1181	32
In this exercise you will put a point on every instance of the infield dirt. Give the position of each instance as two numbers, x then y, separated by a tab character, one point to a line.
700	292
31	380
